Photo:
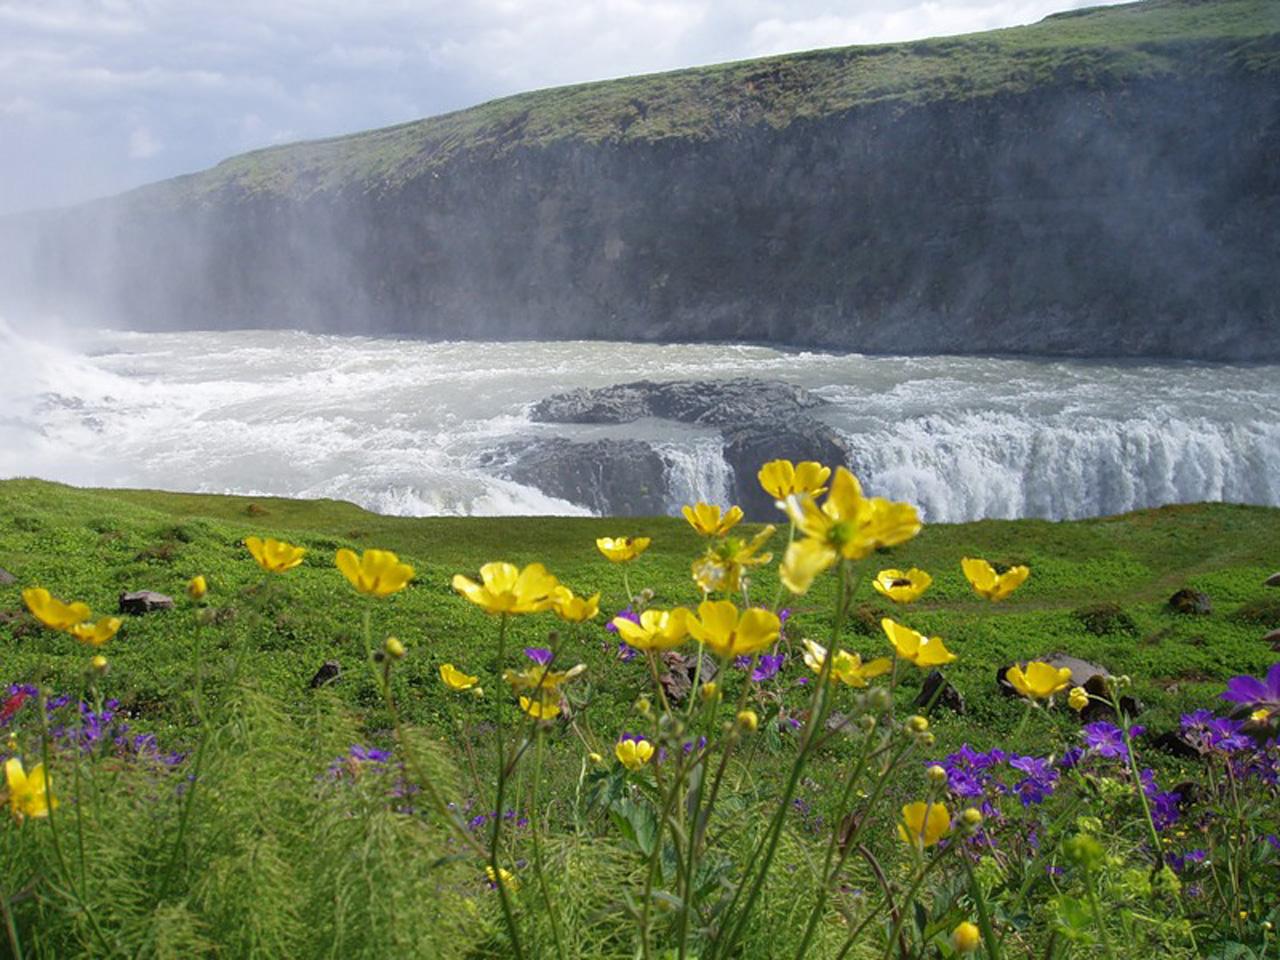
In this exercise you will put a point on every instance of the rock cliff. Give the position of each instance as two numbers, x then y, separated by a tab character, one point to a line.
1104	183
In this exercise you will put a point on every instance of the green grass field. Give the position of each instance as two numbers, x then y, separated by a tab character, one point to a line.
359	869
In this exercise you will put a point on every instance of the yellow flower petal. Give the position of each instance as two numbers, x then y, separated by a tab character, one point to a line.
96	634
622	549
900	586
274	556
1038	681
504	588
804	560
924	824
657	629
52	612
729	633
707	520
455	679
989	584
633	754
924	652
378	573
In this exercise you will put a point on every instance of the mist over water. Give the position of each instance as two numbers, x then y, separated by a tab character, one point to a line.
398	426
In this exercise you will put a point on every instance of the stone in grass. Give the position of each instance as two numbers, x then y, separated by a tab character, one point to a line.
329	671
1272	638
1172	743
1191	602
1103	619
1099	706
937	691
681	669
139	602
6	577
1272	581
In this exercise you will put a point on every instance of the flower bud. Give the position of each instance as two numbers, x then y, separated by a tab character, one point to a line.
927	739
476	692
98	664
643	707
748	720
937	775
867	722
197	587
1078	698
595	758
879	701
972	817
710	692
917	724
395	649
965	938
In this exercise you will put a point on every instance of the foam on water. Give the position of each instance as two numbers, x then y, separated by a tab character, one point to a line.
398	426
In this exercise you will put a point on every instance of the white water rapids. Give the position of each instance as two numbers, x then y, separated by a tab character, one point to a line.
398	426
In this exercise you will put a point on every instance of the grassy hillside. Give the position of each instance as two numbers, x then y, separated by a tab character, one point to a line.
94	544
1096	47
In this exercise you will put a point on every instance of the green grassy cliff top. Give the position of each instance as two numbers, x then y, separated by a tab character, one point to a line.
1093	46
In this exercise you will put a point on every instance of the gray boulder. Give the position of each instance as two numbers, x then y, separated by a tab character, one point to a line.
6	578
144	601
720	403
609	477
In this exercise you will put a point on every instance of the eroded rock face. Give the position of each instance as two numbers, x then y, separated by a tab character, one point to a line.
750	445
609	477
721	403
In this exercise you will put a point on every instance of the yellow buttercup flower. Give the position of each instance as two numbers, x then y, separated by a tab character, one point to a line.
30	794
729	633
989	584
544	706
1078	699
502	876
274	556
657	629
1038	681
96	634
504	588
539	677
966	938
847	525
622	549
720	570
707	520
782	479
455	679
52	612
924	652
902	587
633	754
847	667
924	824
197	587
378	573
574	609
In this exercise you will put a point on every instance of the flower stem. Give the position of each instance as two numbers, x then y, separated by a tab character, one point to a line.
537	846
495	834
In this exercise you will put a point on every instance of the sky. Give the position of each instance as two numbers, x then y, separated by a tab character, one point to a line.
98	96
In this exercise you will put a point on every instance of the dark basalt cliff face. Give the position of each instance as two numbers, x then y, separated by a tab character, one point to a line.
1088	213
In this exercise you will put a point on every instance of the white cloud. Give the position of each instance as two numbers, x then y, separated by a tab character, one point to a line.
142	144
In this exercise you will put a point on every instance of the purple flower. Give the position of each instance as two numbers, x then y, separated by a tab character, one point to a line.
626	652
768	667
1208	733
1039	781
1105	739
636	737
1253	692
539	655
1180	861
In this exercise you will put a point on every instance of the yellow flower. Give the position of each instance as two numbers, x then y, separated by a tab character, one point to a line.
544	707
573	609
378	573
902	587
847	525
455	679
1078	699
1038	681
633	754
274	556
748	720
197	587
729	633
965	938
924	824
52	612
721	568
994	586
503	876
782	479
30	794
96	634
847	667
706	519
924	652
538	677
622	549
657	629
508	589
